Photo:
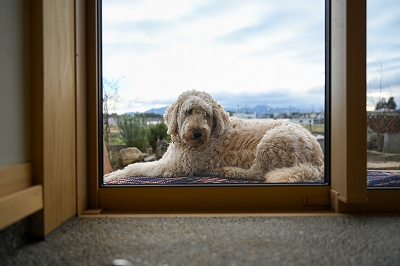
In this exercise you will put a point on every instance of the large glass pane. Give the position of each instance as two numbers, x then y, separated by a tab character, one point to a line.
383	92
261	60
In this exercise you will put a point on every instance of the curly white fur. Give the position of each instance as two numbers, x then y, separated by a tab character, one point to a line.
206	141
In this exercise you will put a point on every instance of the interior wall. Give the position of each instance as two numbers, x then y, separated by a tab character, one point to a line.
14	82
14	103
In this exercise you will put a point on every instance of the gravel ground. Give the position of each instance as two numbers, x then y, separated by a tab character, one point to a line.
318	240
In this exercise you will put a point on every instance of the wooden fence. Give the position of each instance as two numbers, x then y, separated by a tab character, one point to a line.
384	124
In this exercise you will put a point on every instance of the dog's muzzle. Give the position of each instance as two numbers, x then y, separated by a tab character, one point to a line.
197	133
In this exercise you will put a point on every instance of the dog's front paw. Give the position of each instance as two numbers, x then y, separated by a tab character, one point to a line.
131	170
113	176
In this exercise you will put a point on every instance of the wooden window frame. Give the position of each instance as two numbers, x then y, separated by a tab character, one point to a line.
348	191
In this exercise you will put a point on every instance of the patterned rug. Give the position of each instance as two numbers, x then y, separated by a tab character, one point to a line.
374	179
383	179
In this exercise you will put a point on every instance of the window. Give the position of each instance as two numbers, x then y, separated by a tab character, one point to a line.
348	191
383	91
262	60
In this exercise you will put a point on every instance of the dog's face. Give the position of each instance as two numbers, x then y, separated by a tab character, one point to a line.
195	121
194	117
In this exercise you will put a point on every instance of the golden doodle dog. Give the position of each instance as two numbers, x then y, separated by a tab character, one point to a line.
207	142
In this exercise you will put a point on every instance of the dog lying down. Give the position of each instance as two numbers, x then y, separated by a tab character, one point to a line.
206	141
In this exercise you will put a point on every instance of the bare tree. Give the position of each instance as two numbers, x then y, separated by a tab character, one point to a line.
382	76
381	104
110	100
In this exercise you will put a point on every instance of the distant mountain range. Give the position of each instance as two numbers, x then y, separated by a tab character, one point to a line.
259	110
159	111
265	110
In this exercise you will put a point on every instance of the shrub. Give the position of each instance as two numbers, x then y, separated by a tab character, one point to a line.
157	132
133	130
372	139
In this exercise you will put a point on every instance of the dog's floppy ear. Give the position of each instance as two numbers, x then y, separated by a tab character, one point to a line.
220	119
170	117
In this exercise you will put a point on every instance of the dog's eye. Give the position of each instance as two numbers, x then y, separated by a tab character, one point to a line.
190	111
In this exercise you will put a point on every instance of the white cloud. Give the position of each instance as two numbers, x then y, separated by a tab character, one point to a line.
126	11
227	46
383	51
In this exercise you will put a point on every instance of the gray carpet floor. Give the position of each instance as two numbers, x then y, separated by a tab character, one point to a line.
318	240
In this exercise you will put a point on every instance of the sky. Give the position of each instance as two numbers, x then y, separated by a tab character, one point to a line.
242	52
383	51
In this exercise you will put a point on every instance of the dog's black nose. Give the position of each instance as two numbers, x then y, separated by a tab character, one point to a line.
197	133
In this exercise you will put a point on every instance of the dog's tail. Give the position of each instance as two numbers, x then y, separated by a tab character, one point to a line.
295	174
